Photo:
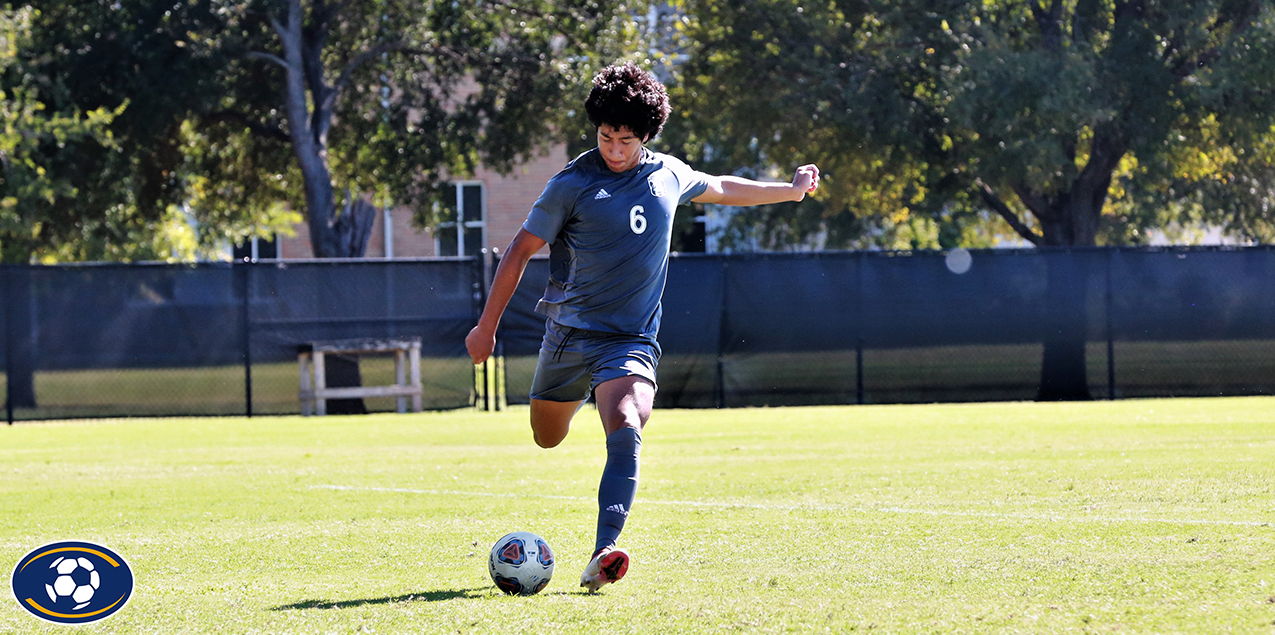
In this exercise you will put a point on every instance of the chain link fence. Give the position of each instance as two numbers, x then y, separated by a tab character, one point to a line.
986	325
738	330
221	339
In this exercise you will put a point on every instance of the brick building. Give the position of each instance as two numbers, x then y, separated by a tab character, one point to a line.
492	206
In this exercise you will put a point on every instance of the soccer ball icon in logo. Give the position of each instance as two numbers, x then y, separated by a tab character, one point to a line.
521	563
76	579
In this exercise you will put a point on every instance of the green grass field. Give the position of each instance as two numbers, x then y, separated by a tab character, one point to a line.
1131	516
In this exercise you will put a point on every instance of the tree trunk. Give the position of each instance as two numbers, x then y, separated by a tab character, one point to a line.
350	231
332	235
1071	219
353	228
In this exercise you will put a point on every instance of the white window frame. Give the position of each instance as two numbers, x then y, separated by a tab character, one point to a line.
481	224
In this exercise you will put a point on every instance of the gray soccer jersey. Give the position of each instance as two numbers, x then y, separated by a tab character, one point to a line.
610	236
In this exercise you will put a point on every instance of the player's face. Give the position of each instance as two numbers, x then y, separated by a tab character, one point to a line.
620	148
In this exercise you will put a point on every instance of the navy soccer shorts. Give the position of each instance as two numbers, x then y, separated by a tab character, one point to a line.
574	361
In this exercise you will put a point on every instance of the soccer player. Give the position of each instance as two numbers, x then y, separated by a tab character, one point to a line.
609	216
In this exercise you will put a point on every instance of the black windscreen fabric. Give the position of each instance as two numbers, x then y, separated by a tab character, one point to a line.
738	330
148	340
791	329
7	273
132	340
882	327
937	332
146	316
295	303
918	301
521	330
791	303
690	333
1193	323
292	304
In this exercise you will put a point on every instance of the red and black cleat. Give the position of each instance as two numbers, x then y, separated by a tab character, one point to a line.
607	566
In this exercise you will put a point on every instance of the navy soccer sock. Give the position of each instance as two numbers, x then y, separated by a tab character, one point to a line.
619	485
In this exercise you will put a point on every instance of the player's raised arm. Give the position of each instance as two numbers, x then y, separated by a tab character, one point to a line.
481	340
734	190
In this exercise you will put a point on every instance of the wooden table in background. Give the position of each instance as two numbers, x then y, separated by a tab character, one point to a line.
407	372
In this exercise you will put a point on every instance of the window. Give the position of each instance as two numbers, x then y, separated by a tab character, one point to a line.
255	249
462	231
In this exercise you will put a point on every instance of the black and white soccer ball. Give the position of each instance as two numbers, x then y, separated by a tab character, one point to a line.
76	579
521	563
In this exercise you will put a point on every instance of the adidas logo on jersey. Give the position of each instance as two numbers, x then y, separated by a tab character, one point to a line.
601	195
618	508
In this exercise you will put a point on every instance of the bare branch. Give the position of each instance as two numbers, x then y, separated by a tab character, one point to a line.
278	27
273	59
993	201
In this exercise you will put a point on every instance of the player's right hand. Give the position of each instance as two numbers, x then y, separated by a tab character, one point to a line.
480	343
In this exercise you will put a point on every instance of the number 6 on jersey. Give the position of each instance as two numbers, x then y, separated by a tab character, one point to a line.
637	222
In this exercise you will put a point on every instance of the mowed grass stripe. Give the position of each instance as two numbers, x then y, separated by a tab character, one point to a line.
727	505
1013	517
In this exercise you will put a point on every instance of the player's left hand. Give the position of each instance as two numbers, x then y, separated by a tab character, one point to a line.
806	180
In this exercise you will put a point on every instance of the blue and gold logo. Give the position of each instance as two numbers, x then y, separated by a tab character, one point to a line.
72	582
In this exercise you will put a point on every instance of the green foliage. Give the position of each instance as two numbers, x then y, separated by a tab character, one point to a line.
481	82
149	65
400	96
1078	122
33	141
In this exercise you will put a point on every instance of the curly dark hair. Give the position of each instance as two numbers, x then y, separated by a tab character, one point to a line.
625	96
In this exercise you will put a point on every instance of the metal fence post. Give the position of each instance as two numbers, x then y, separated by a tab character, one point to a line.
860	394
480	271
501	385
719	399
1111	336
244	271
858	371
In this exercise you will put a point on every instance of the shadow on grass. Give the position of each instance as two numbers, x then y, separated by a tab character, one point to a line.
426	596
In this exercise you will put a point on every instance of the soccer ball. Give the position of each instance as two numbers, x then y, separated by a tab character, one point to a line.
76	579
521	563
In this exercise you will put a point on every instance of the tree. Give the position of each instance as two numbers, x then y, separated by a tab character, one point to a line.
33	141
123	192
238	107
432	87
1075	123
